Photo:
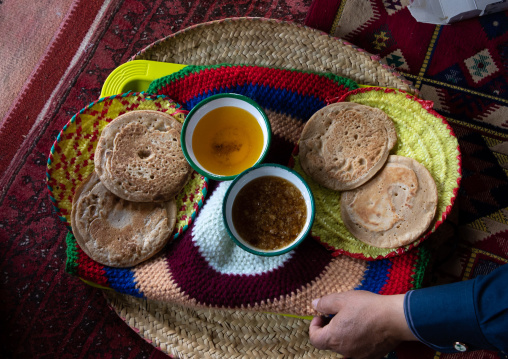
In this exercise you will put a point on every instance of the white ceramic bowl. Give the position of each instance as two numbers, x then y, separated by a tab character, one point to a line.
261	171
212	103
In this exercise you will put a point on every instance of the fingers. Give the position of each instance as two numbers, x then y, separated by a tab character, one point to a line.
317	322
329	304
318	333
361	326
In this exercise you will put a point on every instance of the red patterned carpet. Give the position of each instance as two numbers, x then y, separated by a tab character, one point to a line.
46	313
462	68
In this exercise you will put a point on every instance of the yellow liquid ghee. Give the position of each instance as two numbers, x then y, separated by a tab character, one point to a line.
227	141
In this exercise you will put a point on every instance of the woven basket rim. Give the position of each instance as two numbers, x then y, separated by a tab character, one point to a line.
368	57
153	321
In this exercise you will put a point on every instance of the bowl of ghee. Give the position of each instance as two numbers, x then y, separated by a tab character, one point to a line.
225	134
268	210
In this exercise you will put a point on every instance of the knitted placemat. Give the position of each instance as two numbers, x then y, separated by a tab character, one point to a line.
422	134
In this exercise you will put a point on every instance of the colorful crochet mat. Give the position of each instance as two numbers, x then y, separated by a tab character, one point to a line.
203	267
423	135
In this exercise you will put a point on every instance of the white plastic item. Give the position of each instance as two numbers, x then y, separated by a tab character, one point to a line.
443	12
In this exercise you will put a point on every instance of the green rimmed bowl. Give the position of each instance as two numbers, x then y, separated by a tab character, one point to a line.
212	103
261	171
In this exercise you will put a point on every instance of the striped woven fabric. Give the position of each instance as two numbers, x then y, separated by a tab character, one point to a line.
203	267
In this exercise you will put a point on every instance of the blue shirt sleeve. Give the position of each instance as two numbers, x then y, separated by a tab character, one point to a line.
473	312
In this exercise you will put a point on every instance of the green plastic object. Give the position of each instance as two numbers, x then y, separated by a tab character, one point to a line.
136	76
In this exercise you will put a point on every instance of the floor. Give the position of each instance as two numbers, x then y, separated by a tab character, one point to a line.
27	29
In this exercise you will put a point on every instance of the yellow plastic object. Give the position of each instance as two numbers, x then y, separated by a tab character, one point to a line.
94	284
136	76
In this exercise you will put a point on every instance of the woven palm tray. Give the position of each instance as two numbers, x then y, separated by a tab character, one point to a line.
282	45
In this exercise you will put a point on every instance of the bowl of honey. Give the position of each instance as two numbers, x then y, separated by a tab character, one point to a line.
225	134
268	210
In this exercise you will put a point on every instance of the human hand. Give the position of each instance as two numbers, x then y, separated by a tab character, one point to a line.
365	325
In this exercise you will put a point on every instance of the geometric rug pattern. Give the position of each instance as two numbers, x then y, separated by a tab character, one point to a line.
463	69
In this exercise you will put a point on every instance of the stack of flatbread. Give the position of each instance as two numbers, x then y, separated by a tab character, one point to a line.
125	212
388	201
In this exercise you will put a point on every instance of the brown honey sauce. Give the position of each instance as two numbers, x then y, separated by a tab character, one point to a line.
269	212
227	141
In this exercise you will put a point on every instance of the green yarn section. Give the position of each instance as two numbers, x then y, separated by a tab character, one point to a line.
192	69
71	265
421	266
421	136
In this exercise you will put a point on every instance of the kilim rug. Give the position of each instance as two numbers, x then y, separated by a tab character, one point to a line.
46	313
463	69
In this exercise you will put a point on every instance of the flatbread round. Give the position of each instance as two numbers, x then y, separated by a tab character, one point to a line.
343	145
139	157
116	232
395	207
